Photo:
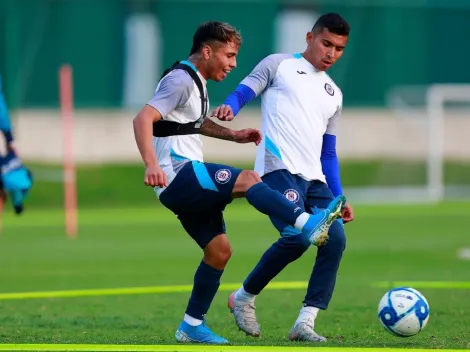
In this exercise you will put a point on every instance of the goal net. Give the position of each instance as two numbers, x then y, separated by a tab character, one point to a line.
430	157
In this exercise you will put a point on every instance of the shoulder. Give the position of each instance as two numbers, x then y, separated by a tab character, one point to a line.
274	60
177	80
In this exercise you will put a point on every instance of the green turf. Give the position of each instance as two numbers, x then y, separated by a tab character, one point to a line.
146	247
118	185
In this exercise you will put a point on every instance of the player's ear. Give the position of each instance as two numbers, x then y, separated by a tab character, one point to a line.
206	52
309	37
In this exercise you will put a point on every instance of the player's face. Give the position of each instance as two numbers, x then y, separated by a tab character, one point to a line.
325	48
222	60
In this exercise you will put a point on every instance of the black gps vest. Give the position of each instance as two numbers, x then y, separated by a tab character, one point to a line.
164	128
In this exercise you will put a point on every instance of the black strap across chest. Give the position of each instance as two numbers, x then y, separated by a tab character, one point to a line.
164	128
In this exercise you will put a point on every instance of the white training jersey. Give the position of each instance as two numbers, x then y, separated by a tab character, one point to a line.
177	98
299	104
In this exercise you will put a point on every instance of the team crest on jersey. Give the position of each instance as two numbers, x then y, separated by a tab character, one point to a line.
329	89
292	195
223	176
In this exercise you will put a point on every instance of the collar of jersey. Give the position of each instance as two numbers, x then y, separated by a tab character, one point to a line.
305	61
190	64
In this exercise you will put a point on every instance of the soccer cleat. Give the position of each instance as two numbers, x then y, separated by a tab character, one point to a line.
304	332
198	334
244	314
318	224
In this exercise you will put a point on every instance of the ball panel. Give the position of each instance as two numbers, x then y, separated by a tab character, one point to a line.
403	311
408	326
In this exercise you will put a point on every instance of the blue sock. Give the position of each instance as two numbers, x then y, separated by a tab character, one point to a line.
272	203
206	284
274	260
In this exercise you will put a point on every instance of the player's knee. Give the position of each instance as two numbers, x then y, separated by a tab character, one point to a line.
337	237
245	180
220	259
218	254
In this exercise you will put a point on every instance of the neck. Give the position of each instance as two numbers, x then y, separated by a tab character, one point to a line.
309	59
196	60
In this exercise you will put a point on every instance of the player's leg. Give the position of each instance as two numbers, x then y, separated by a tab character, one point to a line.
287	249
208	230
323	278
275	205
199	207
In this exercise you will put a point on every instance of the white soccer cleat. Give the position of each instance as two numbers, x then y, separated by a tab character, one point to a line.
303	331
245	317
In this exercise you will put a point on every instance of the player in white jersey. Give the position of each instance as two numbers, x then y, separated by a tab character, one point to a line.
300	109
167	131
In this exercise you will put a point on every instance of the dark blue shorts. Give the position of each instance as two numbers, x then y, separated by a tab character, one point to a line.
198	196
305	194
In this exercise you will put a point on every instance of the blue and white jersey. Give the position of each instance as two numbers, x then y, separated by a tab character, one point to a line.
299	104
177	99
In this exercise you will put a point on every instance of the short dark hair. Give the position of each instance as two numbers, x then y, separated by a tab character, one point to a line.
333	22
214	31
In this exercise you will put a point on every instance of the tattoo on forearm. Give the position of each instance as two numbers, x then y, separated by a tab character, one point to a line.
210	129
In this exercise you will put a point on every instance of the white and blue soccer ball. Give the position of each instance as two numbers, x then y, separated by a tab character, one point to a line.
403	311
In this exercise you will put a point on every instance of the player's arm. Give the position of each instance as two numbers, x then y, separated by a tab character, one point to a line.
330	164
5	124
329	157
252	86
143	133
210	129
172	92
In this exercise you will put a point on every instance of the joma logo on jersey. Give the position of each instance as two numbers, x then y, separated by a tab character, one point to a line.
223	176
292	195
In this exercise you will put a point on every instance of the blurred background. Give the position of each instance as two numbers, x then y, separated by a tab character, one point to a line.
401	137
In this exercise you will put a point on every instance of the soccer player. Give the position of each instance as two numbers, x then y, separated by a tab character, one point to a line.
300	109
167	132
15	179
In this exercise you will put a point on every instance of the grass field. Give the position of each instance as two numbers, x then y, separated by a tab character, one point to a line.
143	248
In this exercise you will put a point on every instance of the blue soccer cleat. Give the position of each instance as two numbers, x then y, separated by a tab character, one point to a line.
198	334
317	226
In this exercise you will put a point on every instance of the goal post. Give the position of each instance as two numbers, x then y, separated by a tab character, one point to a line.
437	96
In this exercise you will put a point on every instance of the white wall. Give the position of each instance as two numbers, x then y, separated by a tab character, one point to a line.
107	136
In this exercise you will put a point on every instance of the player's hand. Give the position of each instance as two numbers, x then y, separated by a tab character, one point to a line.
155	177
223	113
348	213
248	135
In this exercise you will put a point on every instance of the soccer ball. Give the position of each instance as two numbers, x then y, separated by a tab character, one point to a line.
403	311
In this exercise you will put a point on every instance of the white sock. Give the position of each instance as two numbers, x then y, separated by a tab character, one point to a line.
192	321
244	297
301	221
307	314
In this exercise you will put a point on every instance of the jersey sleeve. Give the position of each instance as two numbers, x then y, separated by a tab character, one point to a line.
264	73
332	127
172	92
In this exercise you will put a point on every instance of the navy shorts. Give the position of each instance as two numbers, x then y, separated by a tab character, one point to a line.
307	195
198	196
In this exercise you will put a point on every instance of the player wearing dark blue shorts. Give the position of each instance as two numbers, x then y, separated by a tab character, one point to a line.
167	132
300	113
